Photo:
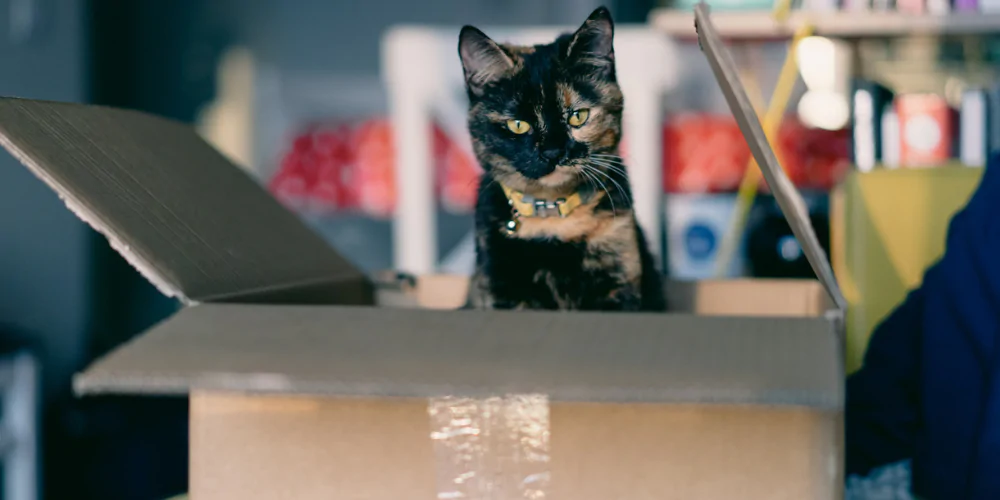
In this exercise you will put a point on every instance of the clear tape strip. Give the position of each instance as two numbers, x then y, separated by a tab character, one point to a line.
491	449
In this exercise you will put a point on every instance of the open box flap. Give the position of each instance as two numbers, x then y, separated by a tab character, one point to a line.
192	223
408	353
784	191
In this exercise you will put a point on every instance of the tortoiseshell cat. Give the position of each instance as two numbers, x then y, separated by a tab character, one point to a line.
554	221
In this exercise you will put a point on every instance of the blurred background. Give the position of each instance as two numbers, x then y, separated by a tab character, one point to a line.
884	120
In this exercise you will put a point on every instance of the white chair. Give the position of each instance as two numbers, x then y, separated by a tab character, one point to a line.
423	78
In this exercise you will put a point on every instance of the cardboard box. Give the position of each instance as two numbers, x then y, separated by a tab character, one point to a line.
302	389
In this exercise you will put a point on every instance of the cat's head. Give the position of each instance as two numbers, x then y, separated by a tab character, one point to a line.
537	114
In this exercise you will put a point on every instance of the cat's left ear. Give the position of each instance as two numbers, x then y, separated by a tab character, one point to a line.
593	43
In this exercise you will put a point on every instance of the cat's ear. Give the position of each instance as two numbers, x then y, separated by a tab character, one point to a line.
483	61
593	43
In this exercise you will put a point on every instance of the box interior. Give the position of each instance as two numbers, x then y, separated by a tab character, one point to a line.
729	297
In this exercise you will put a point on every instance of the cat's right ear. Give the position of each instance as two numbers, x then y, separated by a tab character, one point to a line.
483	61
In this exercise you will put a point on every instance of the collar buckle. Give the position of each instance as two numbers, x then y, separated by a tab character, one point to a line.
546	208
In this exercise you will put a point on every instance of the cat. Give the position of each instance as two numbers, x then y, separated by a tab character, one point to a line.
554	222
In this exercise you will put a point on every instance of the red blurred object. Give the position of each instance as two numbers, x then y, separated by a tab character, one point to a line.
352	167
707	154
814	159
296	175
374	181
331	148
703	153
290	184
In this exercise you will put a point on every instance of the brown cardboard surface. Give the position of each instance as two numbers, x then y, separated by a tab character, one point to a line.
372	352
750	297
693	452
253	447
193	224
299	448
740	297
432	291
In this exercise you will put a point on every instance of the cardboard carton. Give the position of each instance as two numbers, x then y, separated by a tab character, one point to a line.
301	388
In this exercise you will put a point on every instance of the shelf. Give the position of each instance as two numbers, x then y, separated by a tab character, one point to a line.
680	23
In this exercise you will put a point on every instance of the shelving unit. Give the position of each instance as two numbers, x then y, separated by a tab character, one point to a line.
680	23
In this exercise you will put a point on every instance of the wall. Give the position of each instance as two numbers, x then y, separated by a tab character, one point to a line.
344	35
43	247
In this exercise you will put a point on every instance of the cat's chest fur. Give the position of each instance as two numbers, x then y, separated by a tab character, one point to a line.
549	273
589	259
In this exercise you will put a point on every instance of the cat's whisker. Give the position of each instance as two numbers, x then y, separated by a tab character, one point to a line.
625	194
586	177
596	183
617	185
483	188
617	165
621	190
612	168
590	180
621	169
617	159
613	161
587	169
611	198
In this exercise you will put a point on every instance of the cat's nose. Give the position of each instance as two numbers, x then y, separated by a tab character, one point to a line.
552	154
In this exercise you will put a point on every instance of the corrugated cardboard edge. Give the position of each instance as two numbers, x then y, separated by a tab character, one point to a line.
787	196
304	291
82	210
345	285
345	288
634	358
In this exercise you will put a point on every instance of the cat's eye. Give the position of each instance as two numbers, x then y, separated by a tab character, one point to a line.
518	126
579	117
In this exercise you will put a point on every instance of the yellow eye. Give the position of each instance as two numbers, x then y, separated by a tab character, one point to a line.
518	127
579	117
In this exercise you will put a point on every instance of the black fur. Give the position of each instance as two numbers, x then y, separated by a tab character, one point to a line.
596	258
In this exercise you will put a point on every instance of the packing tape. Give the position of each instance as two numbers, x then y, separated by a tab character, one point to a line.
491	449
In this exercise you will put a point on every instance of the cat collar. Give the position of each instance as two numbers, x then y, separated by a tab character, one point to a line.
525	205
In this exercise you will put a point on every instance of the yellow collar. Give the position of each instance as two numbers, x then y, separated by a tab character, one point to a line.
528	206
